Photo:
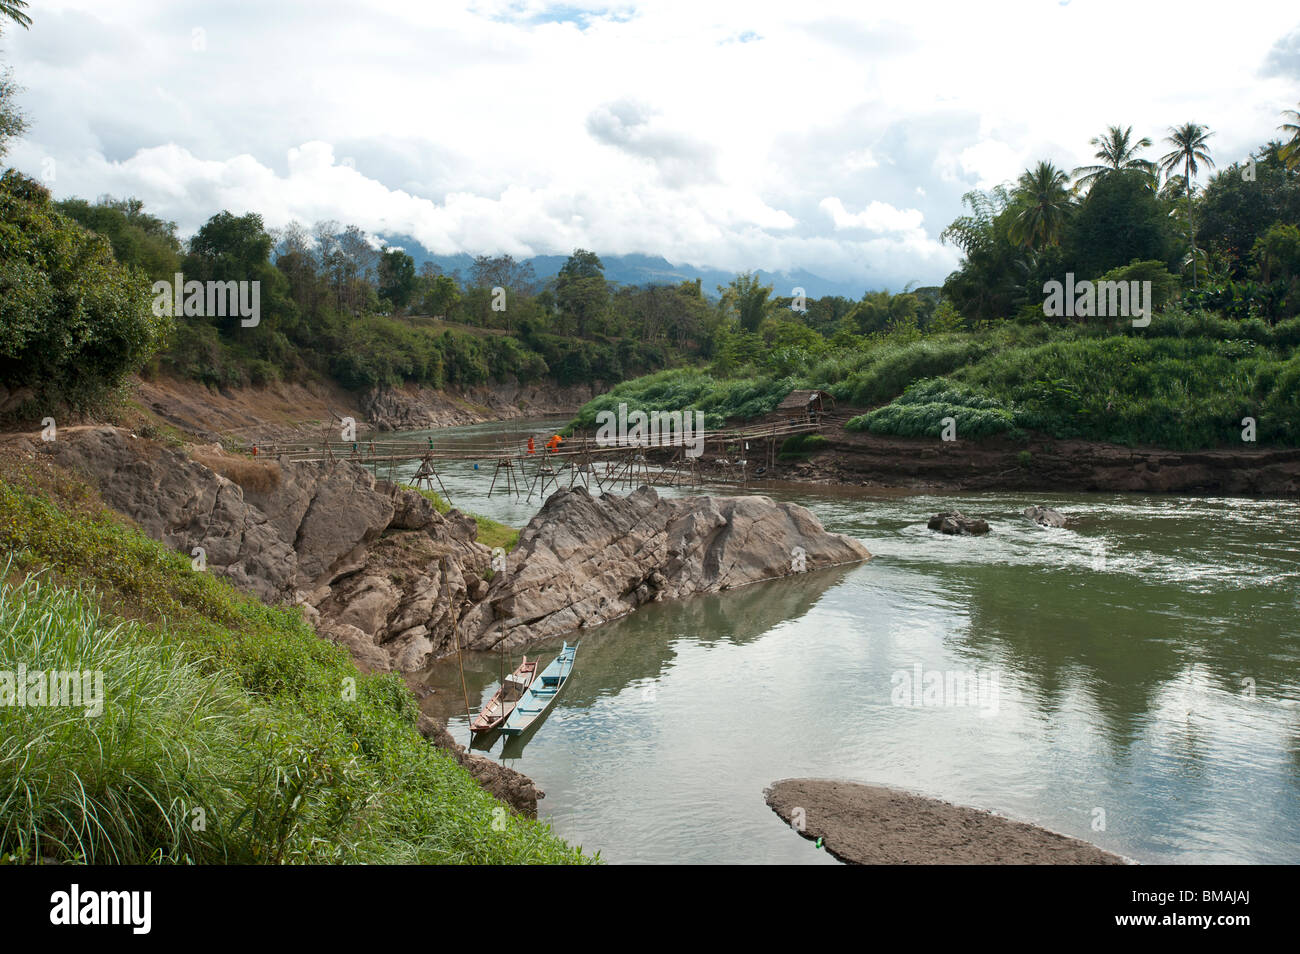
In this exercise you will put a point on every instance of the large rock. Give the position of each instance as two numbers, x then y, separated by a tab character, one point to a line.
183	504
954	523
374	567
1045	516
585	560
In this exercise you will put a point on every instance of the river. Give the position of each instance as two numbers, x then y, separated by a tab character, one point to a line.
1138	677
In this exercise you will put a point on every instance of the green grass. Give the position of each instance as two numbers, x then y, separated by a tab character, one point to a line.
217	702
921	410
800	446
1184	382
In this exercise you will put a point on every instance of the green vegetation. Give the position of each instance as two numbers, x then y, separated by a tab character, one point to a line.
1224	268
800	446
73	322
230	731
921	409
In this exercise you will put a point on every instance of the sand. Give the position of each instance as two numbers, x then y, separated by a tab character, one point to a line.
872	825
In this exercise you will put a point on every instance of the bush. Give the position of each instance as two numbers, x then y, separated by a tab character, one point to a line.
922	408
73	323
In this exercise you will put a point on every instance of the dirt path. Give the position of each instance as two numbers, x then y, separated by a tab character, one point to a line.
872	825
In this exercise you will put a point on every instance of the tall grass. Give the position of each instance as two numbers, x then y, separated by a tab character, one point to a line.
1185	382
217	702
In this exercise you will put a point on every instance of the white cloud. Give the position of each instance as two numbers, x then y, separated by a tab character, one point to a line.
733	136
876	217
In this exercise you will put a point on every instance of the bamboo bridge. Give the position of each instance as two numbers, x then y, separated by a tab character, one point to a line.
529	465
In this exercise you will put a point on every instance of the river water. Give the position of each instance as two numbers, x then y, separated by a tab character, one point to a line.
1137	680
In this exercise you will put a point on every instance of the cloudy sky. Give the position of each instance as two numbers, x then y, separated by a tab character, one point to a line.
830	136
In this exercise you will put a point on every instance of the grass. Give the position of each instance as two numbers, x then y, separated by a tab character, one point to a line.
921	411
1185	382
259	476
219	709
800	446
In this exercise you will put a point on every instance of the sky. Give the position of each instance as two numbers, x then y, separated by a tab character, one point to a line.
827	136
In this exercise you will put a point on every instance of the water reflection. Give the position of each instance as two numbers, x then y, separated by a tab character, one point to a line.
1148	663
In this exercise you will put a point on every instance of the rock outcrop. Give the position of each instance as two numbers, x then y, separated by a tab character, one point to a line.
954	523
585	560
414	408
514	788
378	570
1045	516
375	567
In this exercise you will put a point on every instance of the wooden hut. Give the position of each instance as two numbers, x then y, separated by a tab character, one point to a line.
805	406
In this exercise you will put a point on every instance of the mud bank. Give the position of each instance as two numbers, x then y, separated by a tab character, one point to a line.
872	825
290	410
1041	464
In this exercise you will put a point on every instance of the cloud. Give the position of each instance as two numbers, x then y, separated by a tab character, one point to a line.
630	126
1284	57
775	136
876	217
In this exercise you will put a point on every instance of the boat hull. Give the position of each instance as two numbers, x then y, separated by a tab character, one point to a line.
541	694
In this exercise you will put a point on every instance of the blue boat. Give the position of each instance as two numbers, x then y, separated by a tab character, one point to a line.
541	693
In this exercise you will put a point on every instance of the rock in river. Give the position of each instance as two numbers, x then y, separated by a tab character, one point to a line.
954	523
584	560
1045	516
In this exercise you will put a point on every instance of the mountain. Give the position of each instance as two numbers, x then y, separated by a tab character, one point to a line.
642	269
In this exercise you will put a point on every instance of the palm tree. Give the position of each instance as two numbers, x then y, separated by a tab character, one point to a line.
13	9
1118	153
1043	197
1290	153
1190	149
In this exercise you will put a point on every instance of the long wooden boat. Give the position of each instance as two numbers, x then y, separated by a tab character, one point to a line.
503	702
539	696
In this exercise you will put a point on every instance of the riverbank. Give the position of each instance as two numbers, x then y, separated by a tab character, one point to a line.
1037	463
290	411
287	411
873	825
299	757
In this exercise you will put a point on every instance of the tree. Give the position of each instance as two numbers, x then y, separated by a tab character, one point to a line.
1043	203
1117	152
1291	151
748	297
230	247
12	122
13	9
581	290
991	281
440	295
1232	212
1120	220
1189	142
138	238
73	322
396	277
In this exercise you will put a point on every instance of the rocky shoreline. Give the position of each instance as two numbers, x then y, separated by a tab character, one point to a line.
873	825
377	569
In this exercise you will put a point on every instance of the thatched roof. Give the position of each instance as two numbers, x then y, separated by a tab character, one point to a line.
799	400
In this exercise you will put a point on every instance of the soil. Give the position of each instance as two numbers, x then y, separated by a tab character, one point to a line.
1040	463
872	825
